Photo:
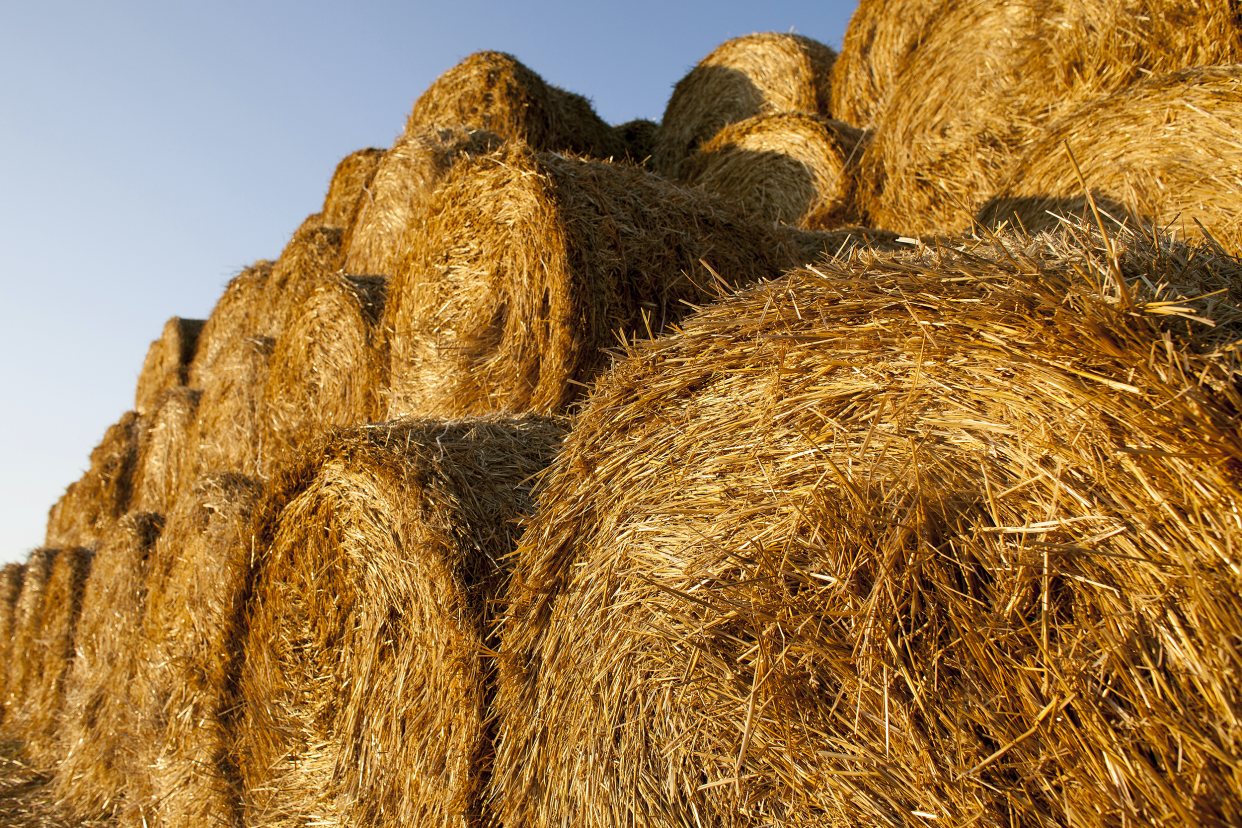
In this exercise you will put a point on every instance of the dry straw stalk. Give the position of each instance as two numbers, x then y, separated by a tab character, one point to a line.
167	362
384	552
946	537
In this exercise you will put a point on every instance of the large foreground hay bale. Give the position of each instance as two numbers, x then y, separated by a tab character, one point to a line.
787	167
531	264
1165	152
494	91
100	721
946	537
164	451
195	584
741	78
87	510
383	556
52	654
327	369
987	74
167	362
11	577
348	191
23	664
403	184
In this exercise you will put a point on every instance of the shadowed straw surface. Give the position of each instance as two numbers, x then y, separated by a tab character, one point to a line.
365	683
326	367
167	363
87	510
26	800
494	91
53	646
164	447
23	664
986	75
880	37
1165	151
194	586
100	719
403	185
741	78
947	537
637	137
787	167
530	264
11	577
348	190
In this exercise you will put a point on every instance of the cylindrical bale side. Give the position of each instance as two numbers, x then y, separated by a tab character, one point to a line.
241	312
638	140
99	727
228	427
350	187
417	163
314	254
167	362
495	92
741	78
384	555
11	578
23	665
788	167
164	451
195	586
90	506
945	537
1164	152
531	264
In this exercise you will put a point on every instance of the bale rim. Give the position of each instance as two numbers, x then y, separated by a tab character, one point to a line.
167	363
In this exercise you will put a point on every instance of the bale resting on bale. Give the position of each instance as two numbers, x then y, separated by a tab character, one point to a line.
167	362
164	457
947	537
349	188
638	138
23	664
87	510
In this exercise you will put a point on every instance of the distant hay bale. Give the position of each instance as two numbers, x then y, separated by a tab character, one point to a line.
23	665
946	537
314	254
241	312
195	583
11	577
97	731
878	41
495	92
88	508
347	192
637	139
327	368
167	363
743	77
529	265
1164	151
987	76
787	167
383	555
227	431
52	654
164	450
399	193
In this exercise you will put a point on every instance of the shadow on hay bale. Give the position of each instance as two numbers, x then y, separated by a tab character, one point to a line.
90	506
788	167
743	77
410	172
23	664
11	579
1163	152
349	190
495	92
949	535
100	720
194	588
531	264
164	450
167	362
637	138
987	75
384	552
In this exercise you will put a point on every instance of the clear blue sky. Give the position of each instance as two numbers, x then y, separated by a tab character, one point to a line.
149	151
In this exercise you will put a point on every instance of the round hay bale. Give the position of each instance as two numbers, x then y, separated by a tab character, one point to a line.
987	76
530	264
494	91
23	665
98	729
383	556
11	577
946	537
167	363
226	434
881	36
314	255
349	188
1163	152
403	184
326	368
88	508
43	707
241	312
638	139
741	78
787	167
195	585
164	450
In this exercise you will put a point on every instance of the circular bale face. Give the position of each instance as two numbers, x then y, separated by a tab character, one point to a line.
946	535
741	78
384	553
349	188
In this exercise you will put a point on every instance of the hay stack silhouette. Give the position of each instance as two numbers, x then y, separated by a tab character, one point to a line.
85	513
940	536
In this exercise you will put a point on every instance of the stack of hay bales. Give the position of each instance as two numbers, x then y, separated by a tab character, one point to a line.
22	667
945	536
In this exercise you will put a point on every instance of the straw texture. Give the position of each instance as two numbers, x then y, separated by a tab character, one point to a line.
167	362
87	510
23	665
349	188
11	577
164	451
638	139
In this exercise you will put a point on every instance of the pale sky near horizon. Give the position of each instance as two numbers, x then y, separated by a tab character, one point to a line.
150	151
